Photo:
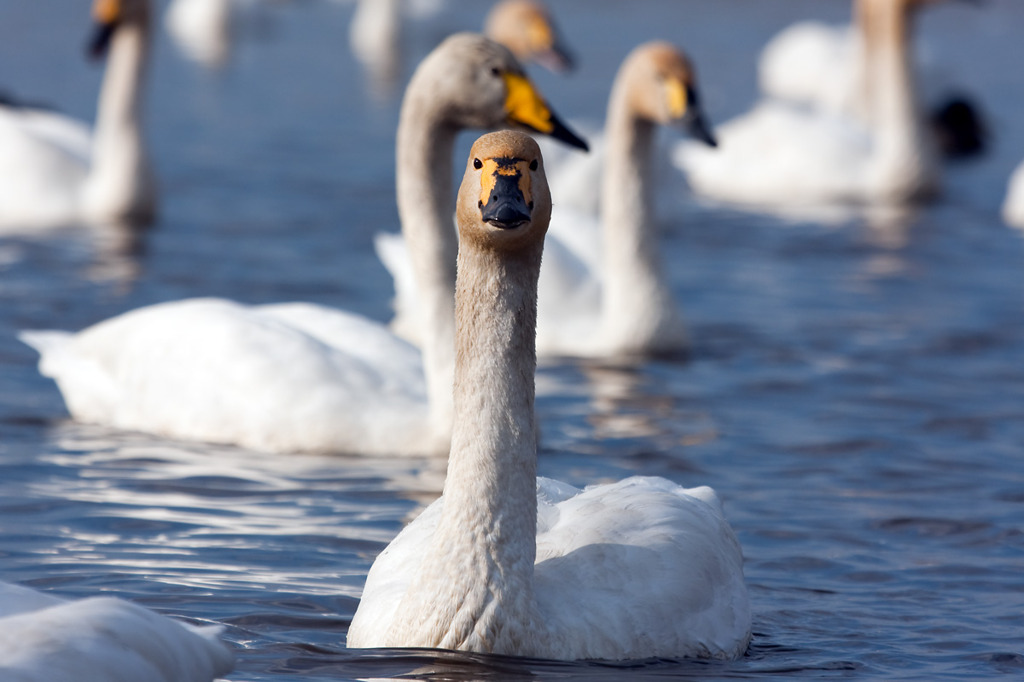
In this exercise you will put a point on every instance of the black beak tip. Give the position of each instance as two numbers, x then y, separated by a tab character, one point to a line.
98	43
563	133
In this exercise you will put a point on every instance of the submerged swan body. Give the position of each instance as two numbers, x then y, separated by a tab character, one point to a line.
299	376
781	154
507	563
55	172
47	639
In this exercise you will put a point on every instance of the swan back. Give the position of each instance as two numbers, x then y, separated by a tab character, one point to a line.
102	639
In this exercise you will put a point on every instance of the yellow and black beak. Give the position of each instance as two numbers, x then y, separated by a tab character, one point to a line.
548	47
506	201
525	107
106	14
684	105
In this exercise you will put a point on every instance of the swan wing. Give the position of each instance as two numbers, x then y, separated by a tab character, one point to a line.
394	254
812	63
641	568
102	639
278	378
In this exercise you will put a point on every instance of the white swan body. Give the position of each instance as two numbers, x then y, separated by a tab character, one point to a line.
201	28
300	377
279	378
102	639
505	562
602	291
781	154
51	178
1013	205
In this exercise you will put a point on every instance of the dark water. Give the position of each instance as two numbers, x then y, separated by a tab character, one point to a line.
856	396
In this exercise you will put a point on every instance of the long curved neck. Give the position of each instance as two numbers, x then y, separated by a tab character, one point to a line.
904	157
425	143
638	312
120	179
483	550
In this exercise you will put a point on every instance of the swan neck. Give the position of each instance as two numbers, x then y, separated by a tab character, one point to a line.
120	177
638	309
904	154
425	144
483	550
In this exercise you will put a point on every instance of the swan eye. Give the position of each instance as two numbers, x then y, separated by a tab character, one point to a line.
477	164
533	164
495	71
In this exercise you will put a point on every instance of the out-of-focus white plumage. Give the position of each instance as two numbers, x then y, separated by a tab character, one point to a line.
1013	205
201	28
101	639
628	570
283	378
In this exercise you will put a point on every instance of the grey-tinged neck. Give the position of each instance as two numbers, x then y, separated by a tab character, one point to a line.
904	158
425	144
120	184
484	548
639	314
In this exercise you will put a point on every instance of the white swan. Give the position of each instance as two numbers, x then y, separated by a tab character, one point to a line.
47	639
507	563
201	28
301	377
48	180
779	154
602	291
614	300
1013	205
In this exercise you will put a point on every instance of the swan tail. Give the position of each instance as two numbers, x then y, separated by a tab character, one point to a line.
394	254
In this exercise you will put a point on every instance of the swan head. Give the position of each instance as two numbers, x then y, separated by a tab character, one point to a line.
473	82
662	88
526	28
108	15
504	203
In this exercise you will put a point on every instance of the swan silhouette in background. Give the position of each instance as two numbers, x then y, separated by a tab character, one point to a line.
508	563
102	639
527	28
54	172
780	154
201	28
304	377
827	66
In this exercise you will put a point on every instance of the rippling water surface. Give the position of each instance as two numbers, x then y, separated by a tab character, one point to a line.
856	395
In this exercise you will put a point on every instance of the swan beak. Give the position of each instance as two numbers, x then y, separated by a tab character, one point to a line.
525	107
505	198
106	14
548	48
684	105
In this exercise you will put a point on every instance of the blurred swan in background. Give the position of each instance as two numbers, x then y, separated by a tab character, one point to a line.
512	564
47	639
602	288
826	66
54	172
524	26
201	28
1013	205
779	154
304	377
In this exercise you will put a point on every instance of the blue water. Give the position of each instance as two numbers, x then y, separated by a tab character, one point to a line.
856	395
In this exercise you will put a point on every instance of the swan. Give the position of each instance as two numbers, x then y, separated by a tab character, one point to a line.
201	28
102	639
509	563
526	28
303	377
780	154
618	303
1013	205
54	179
